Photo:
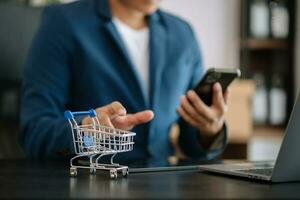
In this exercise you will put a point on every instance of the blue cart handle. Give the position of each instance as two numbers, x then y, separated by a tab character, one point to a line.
69	115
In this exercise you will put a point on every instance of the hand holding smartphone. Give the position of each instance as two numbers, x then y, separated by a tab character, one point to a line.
222	75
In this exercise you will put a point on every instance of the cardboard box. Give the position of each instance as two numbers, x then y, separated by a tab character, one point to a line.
239	114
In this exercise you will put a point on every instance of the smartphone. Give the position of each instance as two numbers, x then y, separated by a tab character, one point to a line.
222	75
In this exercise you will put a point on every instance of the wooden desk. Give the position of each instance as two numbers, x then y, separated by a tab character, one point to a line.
22	179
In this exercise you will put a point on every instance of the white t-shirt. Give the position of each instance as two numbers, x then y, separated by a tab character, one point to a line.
137	44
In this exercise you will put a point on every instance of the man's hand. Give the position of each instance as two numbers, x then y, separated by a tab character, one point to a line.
115	115
209	120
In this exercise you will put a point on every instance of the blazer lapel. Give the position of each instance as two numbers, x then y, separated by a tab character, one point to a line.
104	11
158	48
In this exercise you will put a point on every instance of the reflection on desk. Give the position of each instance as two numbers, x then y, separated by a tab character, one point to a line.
159	165
25	179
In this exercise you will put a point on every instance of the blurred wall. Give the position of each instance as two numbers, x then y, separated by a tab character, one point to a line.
216	23
297	51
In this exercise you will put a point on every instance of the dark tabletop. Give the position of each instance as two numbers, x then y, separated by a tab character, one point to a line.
28	179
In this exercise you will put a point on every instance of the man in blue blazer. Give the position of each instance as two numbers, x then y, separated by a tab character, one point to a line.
83	57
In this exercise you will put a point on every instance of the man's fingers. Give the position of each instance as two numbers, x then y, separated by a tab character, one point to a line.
200	106
217	94
188	118
118	108
106	113
105	121
130	120
191	111
140	117
113	109
208	119
114	115
218	99
86	121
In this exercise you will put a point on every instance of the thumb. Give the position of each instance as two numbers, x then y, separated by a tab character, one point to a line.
218	99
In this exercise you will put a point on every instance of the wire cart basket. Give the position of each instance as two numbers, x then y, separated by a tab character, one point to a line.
95	141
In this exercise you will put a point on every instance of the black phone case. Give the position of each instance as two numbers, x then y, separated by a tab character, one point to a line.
204	88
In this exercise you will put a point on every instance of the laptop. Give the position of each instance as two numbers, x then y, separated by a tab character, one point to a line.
287	165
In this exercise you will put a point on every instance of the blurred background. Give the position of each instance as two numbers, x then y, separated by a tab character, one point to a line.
261	37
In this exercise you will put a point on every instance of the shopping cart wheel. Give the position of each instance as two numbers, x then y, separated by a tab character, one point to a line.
113	174
93	171
73	171
125	172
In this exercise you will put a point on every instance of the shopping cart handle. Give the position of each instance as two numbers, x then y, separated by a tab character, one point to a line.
69	115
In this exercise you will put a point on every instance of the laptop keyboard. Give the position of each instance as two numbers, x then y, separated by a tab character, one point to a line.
258	171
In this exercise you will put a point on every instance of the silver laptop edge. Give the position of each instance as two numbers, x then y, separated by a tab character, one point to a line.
219	168
287	165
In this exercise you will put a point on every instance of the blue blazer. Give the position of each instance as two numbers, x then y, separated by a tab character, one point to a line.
78	61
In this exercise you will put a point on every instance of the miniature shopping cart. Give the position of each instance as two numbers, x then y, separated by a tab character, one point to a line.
95	141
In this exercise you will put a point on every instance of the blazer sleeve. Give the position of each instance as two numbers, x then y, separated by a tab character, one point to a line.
45	90
189	137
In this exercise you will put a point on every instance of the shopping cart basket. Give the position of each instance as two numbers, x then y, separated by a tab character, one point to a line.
95	141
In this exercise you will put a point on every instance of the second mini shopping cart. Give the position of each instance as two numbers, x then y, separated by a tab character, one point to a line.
95	141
